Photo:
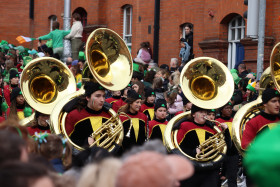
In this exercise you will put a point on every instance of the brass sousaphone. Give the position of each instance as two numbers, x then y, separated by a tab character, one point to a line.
44	82
110	64
269	79
207	83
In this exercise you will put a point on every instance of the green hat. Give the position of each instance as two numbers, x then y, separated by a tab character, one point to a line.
262	158
251	86
27	112
32	52
233	71
235	76
82	55
136	67
20	48
26	59
3	42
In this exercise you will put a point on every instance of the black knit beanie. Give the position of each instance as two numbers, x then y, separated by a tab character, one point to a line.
91	87
160	103
15	92
268	94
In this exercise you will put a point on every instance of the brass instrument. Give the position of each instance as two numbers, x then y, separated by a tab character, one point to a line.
207	83
213	146
44	82
269	79
108	62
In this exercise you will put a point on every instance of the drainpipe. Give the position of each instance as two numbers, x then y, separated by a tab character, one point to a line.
66	26
262	9
156	31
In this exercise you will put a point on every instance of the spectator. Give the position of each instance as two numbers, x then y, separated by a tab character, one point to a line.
174	64
76	36
184	52
189	39
242	72
144	52
57	37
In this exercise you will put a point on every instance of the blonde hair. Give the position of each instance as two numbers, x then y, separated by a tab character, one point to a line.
100	175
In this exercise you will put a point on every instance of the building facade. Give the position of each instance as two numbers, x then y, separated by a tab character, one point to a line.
219	27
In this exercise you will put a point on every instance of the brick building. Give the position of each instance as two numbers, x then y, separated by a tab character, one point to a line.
218	26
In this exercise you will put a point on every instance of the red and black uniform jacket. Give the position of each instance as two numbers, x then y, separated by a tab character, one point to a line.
228	121
7	93
149	110
80	125
38	129
138	130
257	125
112	99
191	135
118	104
157	129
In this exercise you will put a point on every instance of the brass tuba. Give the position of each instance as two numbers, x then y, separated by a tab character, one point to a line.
44	82
108	62
207	83
269	79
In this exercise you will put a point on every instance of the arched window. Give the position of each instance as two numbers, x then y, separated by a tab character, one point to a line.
83	14
52	18
236	32
127	25
182	27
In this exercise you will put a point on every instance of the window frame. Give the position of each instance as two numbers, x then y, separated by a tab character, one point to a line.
127	35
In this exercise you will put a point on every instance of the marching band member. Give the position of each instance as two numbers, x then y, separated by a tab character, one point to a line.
14	80
121	102
39	124
116	95
139	121
231	161
80	123
148	107
192	132
266	119
158	125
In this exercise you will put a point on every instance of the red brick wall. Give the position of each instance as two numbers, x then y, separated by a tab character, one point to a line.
15	21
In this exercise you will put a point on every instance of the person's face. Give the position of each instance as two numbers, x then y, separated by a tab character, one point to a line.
187	30
173	64
257	87
135	87
211	116
96	100
135	106
151	99
158	75
227	111
43	181
20	100
160	113
14	80
272	106
199	116
248	92
42	120
189	106
116	93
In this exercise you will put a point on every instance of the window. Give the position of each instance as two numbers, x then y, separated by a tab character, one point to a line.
236	32
183	28
127	25
52	18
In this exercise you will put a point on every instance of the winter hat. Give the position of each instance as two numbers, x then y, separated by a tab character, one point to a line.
136	67
160	103
262	158
91	87
13	74
15	92
196	109
149	91
164	66
251	86
133	95
268	94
